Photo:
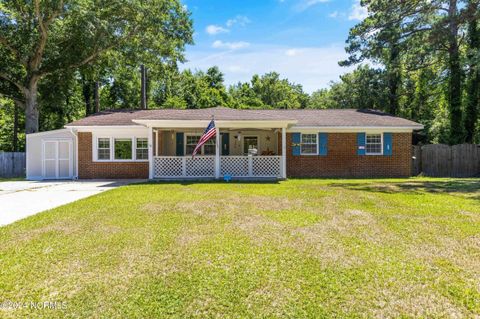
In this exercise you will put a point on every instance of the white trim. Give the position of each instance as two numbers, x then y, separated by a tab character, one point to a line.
218	150
112	159
150	153
350	129
135	148
76	153
156	143
284	153
381	143
202	149
88	128
218	123
316	139
47	132
27	162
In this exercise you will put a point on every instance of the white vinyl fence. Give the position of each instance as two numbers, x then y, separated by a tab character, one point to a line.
12	164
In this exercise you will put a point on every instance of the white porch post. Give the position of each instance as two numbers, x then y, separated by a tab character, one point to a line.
150	152
217	153
284	152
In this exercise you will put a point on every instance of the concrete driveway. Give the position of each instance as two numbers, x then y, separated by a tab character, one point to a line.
20	199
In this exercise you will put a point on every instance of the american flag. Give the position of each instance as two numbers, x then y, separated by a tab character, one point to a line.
208	134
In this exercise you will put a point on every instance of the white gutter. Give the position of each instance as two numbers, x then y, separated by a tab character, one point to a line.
218	123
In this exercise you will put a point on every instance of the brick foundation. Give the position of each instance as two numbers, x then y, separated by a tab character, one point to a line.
88	169
342	159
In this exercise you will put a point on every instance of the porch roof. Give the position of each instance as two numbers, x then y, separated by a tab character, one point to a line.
298	118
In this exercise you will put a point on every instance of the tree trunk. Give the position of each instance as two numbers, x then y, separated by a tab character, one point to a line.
96	96
455	78
31	107
87	94
394	77
473	84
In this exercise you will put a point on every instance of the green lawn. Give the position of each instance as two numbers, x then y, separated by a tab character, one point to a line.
299	248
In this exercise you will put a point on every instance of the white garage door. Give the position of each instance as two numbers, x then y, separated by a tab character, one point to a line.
57	159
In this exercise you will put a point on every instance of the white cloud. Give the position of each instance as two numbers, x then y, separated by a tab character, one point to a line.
312	67
215	29
305	4
239	19
292	52
333	14
230	45
357	12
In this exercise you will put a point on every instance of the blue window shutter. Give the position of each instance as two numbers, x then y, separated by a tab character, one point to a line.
387	144
179	137
296	137
225	143
361	143
323	144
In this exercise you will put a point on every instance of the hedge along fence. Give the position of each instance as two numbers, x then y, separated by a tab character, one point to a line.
12	164
440	160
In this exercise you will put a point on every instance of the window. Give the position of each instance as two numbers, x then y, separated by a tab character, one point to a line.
141	149
123	149
191	142
103	149
209	147
250	142
308	144
374	144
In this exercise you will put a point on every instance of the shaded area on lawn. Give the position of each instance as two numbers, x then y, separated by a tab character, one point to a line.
469	188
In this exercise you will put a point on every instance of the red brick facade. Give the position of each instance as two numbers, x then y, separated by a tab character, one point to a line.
342	159
88	169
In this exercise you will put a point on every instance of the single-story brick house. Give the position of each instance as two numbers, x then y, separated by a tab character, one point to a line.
157	144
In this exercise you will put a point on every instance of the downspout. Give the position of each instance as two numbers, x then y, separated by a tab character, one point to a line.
74	133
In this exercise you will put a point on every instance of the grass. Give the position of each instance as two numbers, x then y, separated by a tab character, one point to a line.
299	248
11	179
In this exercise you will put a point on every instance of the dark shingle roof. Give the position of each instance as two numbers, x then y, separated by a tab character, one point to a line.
304	117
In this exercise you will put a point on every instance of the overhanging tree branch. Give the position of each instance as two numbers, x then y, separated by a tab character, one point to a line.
7	78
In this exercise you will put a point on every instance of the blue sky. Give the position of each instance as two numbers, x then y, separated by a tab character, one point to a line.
301	39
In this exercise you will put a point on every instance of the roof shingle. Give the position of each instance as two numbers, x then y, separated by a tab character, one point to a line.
304	117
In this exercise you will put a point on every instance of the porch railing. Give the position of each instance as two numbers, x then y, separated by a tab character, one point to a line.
204	166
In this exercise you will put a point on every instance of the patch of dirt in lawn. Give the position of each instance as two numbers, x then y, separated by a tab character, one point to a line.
313	241
412	300
270	299
464	253
32	234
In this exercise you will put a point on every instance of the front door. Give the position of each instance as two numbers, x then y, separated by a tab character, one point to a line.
249	143
57	159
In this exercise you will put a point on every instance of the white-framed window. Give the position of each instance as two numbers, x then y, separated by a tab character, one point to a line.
374	144
141	149
122	149
309	144
103	149
191	141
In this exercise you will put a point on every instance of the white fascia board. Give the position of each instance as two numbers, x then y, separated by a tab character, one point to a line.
89	128
46	132
218	123
352	129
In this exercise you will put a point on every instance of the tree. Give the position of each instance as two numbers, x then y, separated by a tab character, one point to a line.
473	78
45	37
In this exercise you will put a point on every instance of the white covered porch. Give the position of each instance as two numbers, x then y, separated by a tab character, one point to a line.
240	150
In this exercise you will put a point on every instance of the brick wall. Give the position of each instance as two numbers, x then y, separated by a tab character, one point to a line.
87	169
342	159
